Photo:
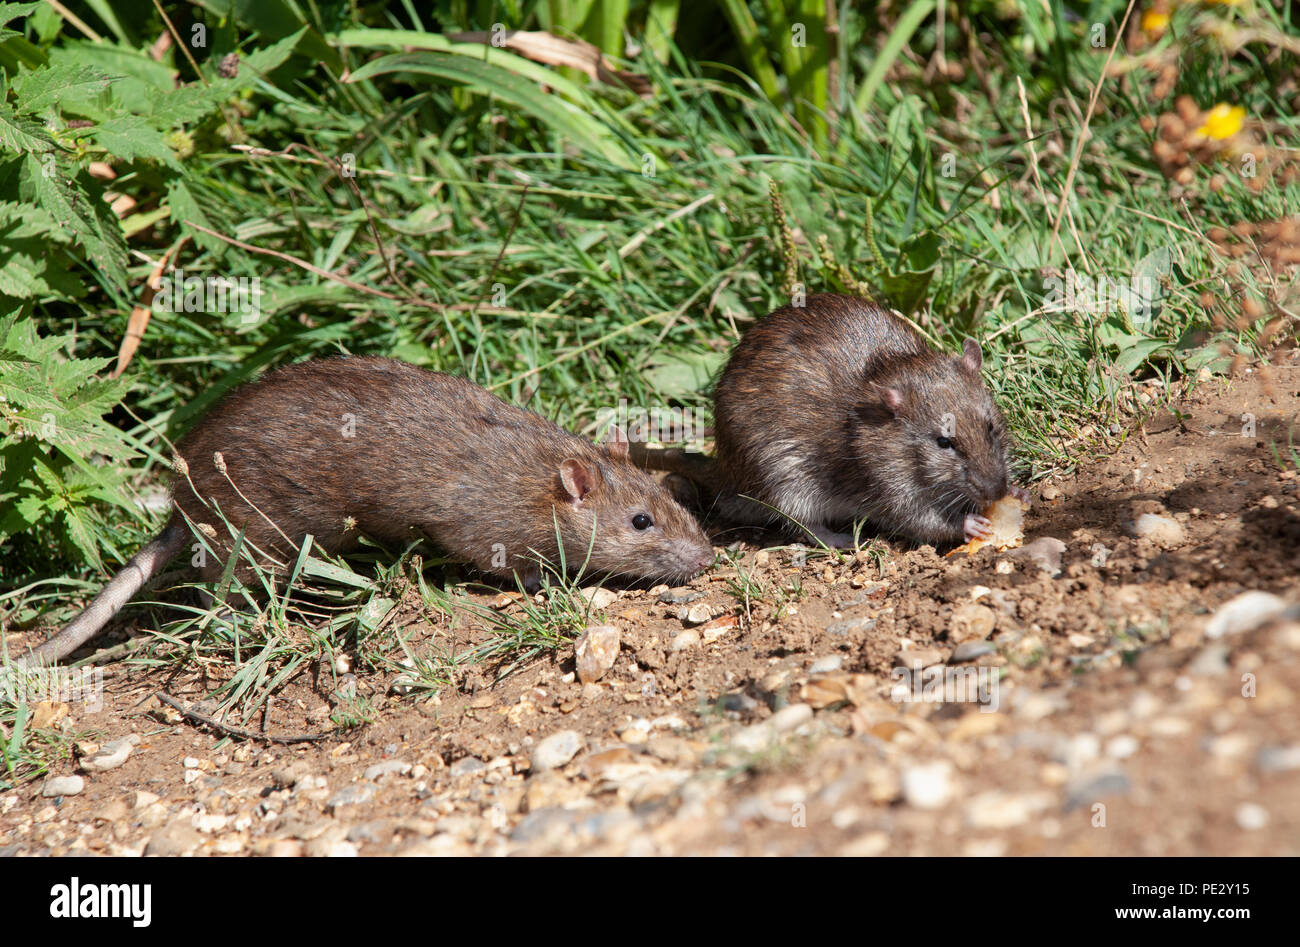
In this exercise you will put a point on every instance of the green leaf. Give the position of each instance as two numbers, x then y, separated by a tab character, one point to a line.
130	137
556	113
42	88
687	374
185	209
22	135
88	220
12	11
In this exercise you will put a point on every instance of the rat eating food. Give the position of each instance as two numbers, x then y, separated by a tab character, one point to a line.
837	411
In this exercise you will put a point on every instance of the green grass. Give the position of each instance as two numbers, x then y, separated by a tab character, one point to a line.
568	244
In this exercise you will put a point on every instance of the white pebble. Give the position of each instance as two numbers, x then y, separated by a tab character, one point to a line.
928	785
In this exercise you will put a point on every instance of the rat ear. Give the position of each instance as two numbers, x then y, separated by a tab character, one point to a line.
970	356
578	477
882	405
616	443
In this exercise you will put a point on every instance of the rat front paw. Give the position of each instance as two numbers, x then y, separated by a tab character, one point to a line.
977	527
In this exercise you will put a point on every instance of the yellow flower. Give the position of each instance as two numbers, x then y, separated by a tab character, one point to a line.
1224	121
1154	20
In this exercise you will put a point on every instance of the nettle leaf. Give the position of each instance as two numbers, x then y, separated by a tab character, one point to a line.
30	263
272	57
22	135
129	137
185	209
43	88
69	459
90	222
12	11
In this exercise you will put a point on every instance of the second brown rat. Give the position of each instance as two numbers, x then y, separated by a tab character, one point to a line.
838	411
341	448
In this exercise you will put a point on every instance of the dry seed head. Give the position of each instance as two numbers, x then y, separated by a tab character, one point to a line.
219	462
180	466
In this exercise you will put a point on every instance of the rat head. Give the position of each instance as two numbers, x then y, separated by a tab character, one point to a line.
934	442
639	529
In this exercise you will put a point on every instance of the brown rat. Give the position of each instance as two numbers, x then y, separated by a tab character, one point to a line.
340	448
837	411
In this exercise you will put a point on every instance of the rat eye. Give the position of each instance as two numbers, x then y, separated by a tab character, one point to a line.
642	521
943	442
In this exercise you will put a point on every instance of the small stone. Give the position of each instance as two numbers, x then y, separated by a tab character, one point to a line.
865	846
111	755
970	650
1003	810
1121	747
696	614
174	839
599	597
1210	661
115	811
1278	759
680	596
914	659
754	738
557	749
713	630
210	822
142	799
928	785
190	762
385	768
788	718
685	639
63	786
1091	786
1050	492
595	652
1251	816
637	731
285	848
826	665
353	795
1243	613
1004	567
467	766
971	622
1161	530
1044	552
850	625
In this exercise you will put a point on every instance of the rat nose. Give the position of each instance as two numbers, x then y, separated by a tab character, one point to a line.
993	486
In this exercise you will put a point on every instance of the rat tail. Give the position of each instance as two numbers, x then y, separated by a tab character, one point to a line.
139	569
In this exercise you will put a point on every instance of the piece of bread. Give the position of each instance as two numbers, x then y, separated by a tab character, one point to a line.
1008	518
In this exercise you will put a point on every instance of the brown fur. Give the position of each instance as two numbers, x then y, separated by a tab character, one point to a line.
341	448
404	452
831	412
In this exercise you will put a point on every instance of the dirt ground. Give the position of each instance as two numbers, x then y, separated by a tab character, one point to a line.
1118	707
